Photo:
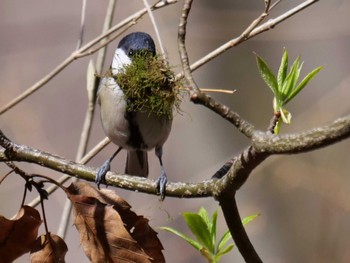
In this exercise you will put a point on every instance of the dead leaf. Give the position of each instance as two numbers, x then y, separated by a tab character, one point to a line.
49	251
109	230
17	236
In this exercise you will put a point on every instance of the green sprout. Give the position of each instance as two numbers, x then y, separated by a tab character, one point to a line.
204	229
150	86
285	86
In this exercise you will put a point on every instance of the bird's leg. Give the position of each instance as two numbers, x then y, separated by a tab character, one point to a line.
102	171
162	179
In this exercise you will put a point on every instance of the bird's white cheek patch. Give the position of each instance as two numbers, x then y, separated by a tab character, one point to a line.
120	60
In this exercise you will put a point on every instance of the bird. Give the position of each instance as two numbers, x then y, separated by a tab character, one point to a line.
135	131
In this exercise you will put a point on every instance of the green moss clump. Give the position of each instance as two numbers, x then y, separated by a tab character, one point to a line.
149	86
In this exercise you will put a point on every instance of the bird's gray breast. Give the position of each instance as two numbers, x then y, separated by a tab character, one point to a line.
130	130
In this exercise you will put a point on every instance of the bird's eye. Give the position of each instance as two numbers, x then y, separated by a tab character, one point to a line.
131	52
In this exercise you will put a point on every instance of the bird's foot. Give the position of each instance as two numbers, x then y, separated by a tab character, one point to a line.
161	185
101	173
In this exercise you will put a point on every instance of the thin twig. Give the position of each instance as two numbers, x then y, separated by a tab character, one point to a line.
86	131
255	22
101	55
18	171
82	24
156	30
197	96
103	44
219	91
275	4
181	36
4	177
66	212
258	30
245	127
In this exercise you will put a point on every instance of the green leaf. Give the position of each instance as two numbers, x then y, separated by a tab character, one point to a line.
248	219
282	71
223	252
189	240
204	214
291	79
296	78
211	225
227	236
222	242
200	229
213	228
204	228
303	84
267	75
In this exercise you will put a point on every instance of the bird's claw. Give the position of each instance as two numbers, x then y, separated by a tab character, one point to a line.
101	174
161	185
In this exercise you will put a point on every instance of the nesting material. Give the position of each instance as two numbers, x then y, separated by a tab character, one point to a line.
149	85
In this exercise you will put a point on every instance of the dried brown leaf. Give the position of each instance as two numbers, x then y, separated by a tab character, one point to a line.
49	251
109	230
17	236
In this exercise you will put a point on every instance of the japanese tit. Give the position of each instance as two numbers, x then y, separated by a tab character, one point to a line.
135	131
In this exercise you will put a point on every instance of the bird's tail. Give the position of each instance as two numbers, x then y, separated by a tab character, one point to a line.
137	163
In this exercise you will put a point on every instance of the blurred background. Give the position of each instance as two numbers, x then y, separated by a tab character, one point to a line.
303	200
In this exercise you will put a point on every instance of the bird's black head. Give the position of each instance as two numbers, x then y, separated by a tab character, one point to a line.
137	42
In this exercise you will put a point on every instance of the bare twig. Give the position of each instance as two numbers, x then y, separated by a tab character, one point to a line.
94	84
225	112
197	96
256	22
91	89
82	24
275	4
182	47
153	20
258	30
219	91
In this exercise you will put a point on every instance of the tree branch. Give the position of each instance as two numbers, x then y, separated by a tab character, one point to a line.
239	235
225	112
17	152
304	141
247	161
